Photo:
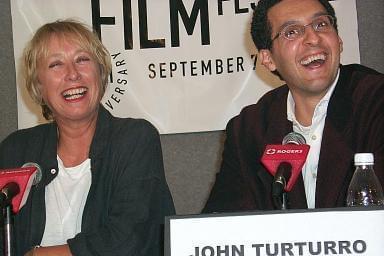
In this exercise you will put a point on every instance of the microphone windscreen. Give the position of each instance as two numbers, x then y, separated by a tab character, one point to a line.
294	138
39	173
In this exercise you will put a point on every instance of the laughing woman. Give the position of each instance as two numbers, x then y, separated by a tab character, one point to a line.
103	190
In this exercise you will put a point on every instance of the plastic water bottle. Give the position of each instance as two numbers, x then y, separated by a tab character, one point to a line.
365	188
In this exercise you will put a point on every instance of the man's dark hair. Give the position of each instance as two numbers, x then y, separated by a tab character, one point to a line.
261	27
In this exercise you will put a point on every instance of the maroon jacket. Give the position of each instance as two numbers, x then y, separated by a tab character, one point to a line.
354	123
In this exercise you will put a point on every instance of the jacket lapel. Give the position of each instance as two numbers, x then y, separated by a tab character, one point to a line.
335	161
334	170
277	128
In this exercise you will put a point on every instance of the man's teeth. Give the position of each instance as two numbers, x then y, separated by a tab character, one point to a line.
74	93
312	59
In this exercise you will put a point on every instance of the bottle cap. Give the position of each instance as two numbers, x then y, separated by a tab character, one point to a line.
364	158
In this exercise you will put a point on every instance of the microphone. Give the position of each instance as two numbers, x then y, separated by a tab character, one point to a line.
9	191
283	174
16	184
285	162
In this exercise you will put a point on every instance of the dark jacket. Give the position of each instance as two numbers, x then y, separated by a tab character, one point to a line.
354	123
128	197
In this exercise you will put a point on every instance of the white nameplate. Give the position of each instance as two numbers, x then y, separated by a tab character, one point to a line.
340	231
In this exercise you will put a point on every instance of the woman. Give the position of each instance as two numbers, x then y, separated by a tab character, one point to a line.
103	190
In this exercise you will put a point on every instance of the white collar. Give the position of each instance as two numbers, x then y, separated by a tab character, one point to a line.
321	107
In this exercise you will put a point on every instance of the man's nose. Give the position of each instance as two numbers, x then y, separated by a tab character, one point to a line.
311	36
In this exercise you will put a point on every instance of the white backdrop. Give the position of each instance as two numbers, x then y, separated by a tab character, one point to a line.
196	82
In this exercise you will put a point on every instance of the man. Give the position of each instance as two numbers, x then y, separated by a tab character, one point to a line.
338	109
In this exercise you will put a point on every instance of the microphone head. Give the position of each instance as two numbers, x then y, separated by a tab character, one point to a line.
294	151
24	178
294	138
39	173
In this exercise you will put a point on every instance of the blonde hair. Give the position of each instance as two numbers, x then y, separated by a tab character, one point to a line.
67	30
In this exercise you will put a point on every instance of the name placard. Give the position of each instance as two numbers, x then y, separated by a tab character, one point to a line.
339	231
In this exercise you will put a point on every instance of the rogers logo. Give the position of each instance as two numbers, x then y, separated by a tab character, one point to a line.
272	151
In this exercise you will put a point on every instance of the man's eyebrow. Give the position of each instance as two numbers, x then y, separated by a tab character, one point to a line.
291	22
319	14
287	23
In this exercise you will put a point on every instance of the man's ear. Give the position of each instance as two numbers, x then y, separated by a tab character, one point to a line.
341	44
266	59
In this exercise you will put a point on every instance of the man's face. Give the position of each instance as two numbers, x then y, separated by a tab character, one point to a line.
309	63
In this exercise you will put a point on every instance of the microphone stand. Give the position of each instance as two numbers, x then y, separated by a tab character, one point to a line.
280	201
284	201
8	192
8	229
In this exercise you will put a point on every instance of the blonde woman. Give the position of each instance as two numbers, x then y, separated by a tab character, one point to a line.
103	190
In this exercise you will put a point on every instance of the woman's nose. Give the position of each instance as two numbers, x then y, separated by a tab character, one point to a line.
72	73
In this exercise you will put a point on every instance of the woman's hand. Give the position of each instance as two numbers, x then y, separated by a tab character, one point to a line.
58	250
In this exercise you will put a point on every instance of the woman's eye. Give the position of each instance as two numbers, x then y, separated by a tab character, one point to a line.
54	64
83	59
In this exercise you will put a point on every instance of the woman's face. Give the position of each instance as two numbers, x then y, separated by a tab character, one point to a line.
69	81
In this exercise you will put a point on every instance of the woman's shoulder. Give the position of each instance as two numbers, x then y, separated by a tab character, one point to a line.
27	134
133	126
24	142
125	125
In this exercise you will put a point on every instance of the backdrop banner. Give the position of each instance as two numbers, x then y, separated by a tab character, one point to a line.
184	65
